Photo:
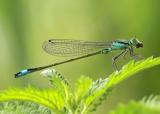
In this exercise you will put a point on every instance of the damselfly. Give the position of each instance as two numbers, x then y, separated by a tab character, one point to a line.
82	49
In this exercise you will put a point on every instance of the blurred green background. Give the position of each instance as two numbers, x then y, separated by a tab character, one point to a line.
25	24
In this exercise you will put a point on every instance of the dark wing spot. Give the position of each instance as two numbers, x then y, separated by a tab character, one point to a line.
50	41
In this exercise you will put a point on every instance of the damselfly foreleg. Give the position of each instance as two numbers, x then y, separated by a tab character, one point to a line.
134	55
115	58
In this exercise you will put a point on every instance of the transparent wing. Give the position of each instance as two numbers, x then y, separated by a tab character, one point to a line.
67	47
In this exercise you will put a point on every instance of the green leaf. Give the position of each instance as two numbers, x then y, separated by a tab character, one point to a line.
23	107
104	86
47	97
149	105
83	84
60	84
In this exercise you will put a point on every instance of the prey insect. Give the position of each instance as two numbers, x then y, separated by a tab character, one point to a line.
82	49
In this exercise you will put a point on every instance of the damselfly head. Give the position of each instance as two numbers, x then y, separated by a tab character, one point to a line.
135	42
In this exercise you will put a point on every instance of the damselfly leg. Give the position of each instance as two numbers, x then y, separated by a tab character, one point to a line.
125	53
115	58
135	56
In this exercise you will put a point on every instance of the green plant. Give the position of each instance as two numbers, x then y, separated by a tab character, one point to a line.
87	95
23	107
149	105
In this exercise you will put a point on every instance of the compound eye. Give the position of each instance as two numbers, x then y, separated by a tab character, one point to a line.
139	45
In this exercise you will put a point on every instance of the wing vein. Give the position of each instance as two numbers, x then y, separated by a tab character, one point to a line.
67	47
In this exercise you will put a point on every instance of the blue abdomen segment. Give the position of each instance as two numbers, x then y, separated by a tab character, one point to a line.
22	73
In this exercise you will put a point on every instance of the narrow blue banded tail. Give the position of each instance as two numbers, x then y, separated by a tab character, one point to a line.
28	71
23	73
